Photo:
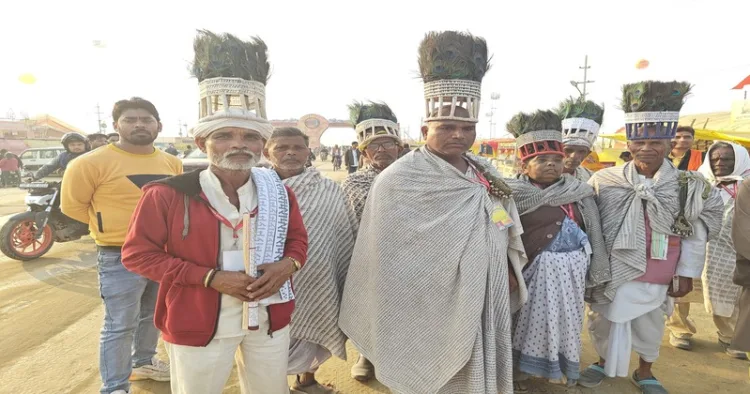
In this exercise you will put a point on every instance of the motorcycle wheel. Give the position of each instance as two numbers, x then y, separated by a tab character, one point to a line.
17	239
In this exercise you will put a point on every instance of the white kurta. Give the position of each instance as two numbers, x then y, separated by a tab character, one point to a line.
230	316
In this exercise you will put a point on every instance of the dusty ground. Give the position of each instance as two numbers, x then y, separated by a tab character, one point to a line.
50	314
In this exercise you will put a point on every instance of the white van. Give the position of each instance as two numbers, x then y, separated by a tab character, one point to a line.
33	159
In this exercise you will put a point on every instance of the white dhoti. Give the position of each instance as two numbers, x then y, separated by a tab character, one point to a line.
633	321
306	356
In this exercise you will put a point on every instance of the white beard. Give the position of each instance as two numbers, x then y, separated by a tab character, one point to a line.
226	163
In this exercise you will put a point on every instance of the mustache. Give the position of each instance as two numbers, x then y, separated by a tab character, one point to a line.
239	152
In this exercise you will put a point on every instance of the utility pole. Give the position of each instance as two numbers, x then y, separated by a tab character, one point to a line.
494	97
585	81
99	118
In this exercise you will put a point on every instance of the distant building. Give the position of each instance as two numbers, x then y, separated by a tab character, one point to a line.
735	122
45	130
39	127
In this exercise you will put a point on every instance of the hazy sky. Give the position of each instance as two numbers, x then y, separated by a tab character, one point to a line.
324	54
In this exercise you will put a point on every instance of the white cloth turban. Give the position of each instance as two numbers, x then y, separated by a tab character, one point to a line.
233	118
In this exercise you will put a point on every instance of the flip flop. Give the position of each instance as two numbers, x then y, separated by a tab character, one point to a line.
592	376
520	387
649	385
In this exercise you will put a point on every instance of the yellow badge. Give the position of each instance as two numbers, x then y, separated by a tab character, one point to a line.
501	218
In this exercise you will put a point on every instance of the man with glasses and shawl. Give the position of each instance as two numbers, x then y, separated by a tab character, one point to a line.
377	132
332	228
378	137
563	241
656	221
727	166
581	120
432	282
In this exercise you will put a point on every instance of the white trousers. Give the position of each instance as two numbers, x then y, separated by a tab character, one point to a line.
614	341
261	364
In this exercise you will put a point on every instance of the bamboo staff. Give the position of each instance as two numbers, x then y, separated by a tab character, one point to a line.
250	309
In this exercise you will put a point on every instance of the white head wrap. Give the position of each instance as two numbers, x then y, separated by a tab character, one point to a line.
741	165
232	118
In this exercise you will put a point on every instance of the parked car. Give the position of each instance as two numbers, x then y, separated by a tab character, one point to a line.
194	161
34	158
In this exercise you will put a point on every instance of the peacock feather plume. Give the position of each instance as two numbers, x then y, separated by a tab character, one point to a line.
654	96
580	108
453	55
228	56
523	123
359	112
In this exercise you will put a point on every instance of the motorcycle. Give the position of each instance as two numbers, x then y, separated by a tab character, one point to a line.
29	235
11	179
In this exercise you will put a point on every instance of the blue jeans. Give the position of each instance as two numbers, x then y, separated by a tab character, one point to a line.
128	338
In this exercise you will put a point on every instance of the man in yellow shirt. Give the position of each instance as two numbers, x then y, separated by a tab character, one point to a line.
102	189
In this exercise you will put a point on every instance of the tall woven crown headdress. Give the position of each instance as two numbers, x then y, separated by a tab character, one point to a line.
232	75
373	120
652	108
452	66
581	120
536	134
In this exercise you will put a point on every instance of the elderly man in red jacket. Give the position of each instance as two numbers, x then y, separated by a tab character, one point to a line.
187	234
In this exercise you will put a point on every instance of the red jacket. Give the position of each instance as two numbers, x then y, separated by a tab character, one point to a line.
159	247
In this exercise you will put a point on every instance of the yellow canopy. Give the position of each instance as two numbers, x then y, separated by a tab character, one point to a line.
699	134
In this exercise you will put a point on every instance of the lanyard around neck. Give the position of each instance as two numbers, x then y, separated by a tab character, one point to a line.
227	223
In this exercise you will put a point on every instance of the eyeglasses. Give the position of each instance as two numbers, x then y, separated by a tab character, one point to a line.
385	145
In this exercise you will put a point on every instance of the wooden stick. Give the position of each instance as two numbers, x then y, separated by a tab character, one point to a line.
250	309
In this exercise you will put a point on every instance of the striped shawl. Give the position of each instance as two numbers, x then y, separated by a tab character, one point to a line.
621	197
356	186
426	298
331	228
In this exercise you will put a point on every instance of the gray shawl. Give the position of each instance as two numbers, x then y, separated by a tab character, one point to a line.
583	174
356	186
621	196
426	298
331	229
565	191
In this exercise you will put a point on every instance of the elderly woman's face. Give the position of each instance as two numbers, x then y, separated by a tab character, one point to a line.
545	169
233	148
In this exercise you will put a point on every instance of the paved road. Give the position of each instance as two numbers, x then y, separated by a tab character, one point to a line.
51	315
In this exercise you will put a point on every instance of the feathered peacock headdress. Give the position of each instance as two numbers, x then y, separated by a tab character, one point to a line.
536	134
581	120
452	65
227	56
652	108
373	120
232	74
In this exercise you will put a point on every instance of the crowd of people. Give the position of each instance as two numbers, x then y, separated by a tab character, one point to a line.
445	276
